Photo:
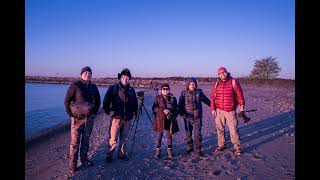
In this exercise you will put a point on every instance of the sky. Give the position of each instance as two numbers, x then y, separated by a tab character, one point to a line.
157	38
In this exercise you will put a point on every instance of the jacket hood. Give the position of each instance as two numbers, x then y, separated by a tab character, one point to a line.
191	80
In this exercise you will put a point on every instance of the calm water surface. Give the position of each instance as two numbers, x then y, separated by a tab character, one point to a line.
44	106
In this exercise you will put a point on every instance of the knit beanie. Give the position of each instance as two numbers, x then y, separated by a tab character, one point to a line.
221	70
87	68
165	85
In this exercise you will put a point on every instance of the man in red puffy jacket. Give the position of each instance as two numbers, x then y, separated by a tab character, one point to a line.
226	95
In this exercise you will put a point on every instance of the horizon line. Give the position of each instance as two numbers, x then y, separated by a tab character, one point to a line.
146	77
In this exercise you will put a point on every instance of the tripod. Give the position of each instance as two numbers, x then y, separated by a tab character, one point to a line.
136	120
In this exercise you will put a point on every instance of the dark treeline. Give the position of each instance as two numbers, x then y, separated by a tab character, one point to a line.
155	81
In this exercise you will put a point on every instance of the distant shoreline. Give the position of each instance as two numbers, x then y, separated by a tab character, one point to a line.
155	82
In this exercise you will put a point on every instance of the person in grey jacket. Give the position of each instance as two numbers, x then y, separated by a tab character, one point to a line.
190	108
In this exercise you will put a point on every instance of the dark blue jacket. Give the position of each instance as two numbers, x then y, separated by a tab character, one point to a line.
122	100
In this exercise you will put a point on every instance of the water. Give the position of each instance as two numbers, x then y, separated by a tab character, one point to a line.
44	106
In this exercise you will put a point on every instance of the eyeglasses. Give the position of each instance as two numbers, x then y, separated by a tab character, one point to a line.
165	89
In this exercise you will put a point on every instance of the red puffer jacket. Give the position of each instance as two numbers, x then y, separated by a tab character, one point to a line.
224	97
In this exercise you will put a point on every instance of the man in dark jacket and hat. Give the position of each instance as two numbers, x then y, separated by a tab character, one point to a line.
120	99
81	94
190	108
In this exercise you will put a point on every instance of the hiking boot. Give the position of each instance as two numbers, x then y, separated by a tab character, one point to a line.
123	156
157	153
72	170
219	149
87	163
169	151
188	151
238	152
108	158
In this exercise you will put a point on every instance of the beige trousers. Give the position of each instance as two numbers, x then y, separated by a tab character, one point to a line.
232	121
80	136
118	128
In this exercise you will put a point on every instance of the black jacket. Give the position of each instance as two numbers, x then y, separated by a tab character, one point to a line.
122	100
82	91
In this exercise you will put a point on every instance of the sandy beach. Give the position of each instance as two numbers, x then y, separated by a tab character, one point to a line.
268	142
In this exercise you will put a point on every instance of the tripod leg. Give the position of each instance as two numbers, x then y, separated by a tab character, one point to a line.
134	136
147	113
132	125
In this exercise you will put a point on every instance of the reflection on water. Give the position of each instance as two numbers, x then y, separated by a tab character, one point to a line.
44	106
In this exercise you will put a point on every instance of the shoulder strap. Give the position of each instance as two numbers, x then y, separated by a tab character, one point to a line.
115	89
215	89
234	84
233	81
216	84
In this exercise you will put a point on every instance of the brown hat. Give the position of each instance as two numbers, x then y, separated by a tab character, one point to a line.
126	72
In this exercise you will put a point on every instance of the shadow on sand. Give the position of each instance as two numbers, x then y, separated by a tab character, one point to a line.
255	133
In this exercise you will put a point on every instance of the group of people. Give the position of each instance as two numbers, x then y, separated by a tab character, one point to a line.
82	103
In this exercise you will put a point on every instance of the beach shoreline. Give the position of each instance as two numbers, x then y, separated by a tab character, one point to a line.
268	142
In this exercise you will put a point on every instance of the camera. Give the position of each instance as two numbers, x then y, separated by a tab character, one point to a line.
140	97
140	94
169	115
243	115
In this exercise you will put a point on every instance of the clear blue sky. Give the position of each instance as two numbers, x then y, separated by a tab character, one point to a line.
157	38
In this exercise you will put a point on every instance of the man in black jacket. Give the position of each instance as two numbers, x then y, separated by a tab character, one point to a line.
81	91
120	99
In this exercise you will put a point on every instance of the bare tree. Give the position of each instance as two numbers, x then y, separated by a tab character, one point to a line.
266	69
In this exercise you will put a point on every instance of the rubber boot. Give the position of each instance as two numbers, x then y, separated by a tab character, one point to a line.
169	151
157	153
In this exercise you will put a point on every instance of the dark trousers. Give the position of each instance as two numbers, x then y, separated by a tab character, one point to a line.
80	135
159	138
193	124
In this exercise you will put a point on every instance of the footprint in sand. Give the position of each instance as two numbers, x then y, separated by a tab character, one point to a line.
216	172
